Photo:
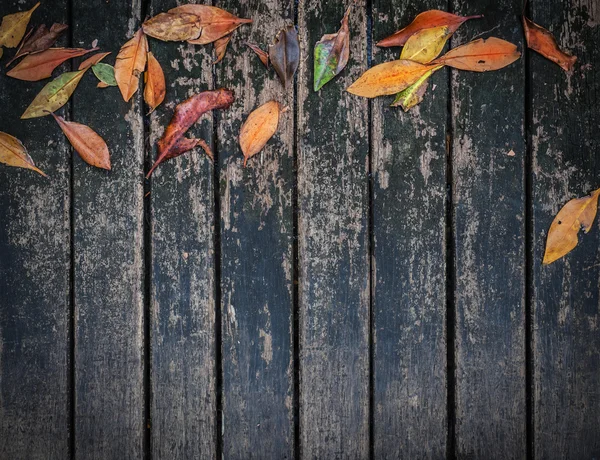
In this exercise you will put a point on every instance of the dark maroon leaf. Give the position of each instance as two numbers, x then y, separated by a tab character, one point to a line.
40	40
285	54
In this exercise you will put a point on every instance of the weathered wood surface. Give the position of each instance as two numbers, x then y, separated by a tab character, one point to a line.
488	206
108	252
256	224
565	141
34	274
333	213
409	259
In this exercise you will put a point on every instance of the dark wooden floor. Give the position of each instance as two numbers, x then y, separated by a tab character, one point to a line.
370	286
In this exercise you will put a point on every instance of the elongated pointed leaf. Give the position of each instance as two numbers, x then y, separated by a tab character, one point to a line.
284	54
13	27
184	145
40	40
13	153
542	41
173	26
221	48
414	94
481	55
262	55
260	126
131	62
215	22
39	66
54	95
92	61
331	54
426	45
105	73
155	89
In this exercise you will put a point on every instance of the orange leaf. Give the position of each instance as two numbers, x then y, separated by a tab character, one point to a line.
426	20
577	214
221	47
481	55
542	41
173	26
39	66
13	153
259	127
92	61
389	78
130	64
215	22
155	90
262	55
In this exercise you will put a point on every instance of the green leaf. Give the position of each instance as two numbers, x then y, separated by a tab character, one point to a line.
331	54
54	95
413	95
105	73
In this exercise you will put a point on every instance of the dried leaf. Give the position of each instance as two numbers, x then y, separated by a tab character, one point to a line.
13	153
184	145
14	26
90	146
39	66
331	54
215	22
186	114
481	55
54	95
221	47
155	88
131	62
259	127
284	54
173	27
102	85
426	45
426	20
40	40
542	41
389	78
262	55
414	94
577	214
92	61
105	73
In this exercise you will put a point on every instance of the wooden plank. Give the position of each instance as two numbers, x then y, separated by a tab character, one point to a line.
183	372
256	250
566	295
333	196
108	246
409	256
34	272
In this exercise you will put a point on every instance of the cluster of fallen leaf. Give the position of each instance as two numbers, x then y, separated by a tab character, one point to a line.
422	42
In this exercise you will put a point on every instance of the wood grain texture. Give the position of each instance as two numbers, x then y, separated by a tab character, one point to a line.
409	295
566	295
256	249
108	245
333	196
183	268
489	231
34	273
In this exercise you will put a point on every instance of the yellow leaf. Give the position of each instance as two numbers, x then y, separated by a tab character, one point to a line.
576	214
259	127
130	64
54	95
13	153
414	94
426	45
14	26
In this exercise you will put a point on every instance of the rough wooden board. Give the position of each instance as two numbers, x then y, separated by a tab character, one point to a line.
256	250
489	232
409	295
183	373
108	245
565	143
34	274
333	196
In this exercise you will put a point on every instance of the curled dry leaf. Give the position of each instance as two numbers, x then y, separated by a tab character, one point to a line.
577	214
426	20
155	88
173	27
105	73
54	95
90	146
221	47
40	40
414	94
215	22
542	41
481	55
284	54
13	153
131	62
39	66
389	78
92	61
185	144
186	114
259	127
13	27
262	55
332	53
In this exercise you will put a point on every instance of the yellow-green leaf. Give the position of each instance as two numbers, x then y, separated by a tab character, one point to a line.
54	95
413	95
426	45
13	153
14	26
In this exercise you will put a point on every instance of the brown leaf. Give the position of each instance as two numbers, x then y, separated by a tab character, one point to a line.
92	61
284	54
40	40
39	66
173	26
481	55
13	153
221	47
155	88
102	85
131	62
259	127
13	27
186	114
215	22
577	214
542	41
90	146
426	20
184	145
262	55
